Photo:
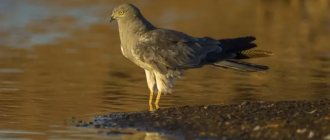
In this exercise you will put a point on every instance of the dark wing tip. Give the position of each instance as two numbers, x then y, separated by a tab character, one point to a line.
250	38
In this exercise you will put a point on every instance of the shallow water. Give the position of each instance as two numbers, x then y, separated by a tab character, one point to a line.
61	59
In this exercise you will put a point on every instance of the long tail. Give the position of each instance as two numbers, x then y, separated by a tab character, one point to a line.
253	53
241	48
240	65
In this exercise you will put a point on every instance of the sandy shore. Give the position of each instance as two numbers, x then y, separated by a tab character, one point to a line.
247	120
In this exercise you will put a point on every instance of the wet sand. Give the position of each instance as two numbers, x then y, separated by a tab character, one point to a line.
247	120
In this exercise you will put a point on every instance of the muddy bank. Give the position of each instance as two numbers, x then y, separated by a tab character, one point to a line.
247	120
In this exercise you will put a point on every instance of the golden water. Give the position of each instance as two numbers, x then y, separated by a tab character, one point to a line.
61	59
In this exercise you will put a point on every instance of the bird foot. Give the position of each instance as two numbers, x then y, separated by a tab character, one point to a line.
151	107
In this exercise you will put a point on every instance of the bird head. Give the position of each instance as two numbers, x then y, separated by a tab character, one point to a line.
124	11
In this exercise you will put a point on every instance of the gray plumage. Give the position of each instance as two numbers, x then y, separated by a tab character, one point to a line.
165	54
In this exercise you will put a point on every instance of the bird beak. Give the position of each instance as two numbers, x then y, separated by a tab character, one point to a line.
112	19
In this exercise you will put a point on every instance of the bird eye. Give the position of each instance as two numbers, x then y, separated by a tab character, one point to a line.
121	12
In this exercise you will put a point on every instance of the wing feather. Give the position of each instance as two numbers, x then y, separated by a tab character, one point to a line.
168	49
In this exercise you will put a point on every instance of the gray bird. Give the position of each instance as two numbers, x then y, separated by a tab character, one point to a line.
164	54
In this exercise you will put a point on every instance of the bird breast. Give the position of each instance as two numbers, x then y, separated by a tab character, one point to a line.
127	52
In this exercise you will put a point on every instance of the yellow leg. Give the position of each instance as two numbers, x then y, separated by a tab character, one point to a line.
157	100
150	101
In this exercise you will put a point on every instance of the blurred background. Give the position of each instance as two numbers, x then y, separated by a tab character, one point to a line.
61	59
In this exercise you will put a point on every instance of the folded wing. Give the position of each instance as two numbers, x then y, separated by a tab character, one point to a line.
168	49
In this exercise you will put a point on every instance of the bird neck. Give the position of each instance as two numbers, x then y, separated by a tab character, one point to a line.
133	27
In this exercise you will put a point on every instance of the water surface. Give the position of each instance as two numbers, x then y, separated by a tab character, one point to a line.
61	59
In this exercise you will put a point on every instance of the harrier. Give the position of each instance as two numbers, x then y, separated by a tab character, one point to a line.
164	54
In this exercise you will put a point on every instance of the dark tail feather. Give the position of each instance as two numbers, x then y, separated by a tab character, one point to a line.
238	48
240	65
235	45
246	54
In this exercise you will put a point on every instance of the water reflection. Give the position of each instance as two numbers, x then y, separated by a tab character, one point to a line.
60	59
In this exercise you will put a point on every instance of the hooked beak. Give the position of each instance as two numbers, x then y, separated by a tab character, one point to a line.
112	19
